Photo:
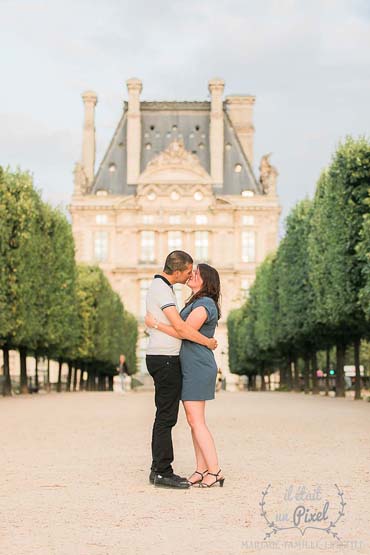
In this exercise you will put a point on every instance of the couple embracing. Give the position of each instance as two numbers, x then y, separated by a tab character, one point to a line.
181	362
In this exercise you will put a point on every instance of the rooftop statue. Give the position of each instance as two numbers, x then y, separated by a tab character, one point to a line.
268	175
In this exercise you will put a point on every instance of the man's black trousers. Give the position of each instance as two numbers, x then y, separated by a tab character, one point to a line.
166	373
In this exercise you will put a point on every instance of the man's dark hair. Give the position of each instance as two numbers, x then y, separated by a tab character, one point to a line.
177	260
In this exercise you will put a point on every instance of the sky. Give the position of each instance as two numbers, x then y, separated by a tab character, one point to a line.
306	61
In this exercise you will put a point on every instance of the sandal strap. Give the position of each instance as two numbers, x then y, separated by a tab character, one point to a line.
200	473
211	473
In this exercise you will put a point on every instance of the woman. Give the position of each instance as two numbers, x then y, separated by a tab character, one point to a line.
199	370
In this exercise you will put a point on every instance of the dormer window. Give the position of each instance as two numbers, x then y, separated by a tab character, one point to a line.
247	193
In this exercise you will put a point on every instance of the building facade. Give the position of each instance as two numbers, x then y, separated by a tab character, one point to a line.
176	175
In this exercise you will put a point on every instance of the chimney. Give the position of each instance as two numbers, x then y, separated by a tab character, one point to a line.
240	110
216	132
134	87
88	140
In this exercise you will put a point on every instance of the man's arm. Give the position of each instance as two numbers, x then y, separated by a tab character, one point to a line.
186	331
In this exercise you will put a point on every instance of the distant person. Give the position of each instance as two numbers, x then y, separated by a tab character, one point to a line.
123	371
219	380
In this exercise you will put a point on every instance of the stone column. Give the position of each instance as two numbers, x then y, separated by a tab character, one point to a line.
216	132
134	87
88	141
240	110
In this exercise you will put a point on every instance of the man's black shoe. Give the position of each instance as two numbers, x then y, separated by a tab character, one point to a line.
169	482
152	476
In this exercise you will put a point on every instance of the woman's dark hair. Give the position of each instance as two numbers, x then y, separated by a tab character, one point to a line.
211	286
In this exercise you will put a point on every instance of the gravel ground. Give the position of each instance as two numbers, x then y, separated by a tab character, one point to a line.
74	476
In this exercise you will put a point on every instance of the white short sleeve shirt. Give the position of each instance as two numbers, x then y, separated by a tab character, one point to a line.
161	295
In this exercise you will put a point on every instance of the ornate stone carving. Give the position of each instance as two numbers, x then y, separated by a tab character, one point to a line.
81	182
268	175
175	157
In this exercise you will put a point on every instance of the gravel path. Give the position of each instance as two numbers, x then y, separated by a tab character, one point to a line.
74	476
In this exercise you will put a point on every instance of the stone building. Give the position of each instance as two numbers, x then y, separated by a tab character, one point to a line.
176	175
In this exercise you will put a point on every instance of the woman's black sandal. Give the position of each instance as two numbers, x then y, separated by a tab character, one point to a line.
200	474
218	480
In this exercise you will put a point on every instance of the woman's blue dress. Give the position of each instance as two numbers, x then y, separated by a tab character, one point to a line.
198	365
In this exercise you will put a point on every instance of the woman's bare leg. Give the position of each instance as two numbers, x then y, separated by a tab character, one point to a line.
201	463
203	440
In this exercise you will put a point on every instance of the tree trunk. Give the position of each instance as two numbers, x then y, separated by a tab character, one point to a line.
295	371
75	377
315	385
110	383
7	390
357	366
48	387
101	382
36	373
282	375
23	365
94	376
263	384
327	368
69	376
306	373
89	378
81	382
59	384
289	378
339	374
269	381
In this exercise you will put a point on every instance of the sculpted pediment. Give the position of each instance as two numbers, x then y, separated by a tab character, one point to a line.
175	165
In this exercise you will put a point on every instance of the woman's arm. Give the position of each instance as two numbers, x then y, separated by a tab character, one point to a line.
152	322
196	319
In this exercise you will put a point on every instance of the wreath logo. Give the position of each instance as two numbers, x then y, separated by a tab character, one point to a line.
303	518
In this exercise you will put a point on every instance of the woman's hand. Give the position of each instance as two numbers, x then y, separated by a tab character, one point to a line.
150	321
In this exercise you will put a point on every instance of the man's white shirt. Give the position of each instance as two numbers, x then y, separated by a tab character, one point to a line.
161	295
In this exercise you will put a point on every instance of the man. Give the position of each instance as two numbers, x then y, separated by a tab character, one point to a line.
163	363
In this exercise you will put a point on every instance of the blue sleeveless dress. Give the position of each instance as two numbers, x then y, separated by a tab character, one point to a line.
198	365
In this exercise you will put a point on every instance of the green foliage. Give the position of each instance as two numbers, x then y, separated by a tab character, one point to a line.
336	270
294	288
363	251
20	265
315	292
105	329
129	340
264	292
47	305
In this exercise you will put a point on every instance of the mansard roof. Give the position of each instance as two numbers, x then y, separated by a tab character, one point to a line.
161	124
